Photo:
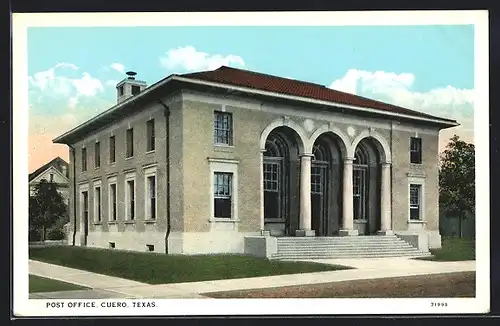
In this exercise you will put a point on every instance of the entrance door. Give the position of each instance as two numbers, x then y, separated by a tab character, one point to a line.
319	199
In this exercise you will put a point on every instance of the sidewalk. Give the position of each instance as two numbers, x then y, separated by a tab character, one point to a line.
367	268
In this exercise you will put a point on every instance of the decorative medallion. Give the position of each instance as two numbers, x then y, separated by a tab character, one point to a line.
351	131
309	125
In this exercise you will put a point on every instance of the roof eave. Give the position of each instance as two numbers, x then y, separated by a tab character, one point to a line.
441	122
66	137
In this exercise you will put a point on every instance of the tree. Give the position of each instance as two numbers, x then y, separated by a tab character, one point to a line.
46	206
457	180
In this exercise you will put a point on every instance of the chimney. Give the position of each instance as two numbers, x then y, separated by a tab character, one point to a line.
129	87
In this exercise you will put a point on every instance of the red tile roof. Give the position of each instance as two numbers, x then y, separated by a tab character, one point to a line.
264	82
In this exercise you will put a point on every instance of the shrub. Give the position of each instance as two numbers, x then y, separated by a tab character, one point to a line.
56	234
34	235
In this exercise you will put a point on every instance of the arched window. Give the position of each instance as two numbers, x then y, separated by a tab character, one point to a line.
361	156
276	160
360	182
276	146
320	153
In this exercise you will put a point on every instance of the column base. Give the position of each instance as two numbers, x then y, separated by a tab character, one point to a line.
265	233
344	233
305	233
387	232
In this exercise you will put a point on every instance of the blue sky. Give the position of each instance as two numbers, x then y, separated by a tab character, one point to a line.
425	68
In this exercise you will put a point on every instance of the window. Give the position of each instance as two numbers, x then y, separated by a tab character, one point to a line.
415	201
223	128
130	197
112	150
120	90
151	197
135	89
97	154
97	204
150	126
85	208
223	184
52	177
112	201
130	142
84	159
415	150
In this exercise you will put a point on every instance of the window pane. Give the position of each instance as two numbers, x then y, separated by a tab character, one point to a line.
222	207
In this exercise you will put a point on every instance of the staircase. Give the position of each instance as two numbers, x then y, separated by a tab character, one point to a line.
345	247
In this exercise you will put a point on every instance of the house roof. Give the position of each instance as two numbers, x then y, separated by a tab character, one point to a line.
265	82
252	83
57	163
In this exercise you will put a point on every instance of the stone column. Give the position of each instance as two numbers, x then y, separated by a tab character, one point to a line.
262	231
347	203
305	197
385	200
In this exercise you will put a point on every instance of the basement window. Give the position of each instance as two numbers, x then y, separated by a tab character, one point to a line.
111	245
150	247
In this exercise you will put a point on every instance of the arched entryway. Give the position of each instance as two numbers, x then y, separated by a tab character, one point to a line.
366	187
326	185
281	166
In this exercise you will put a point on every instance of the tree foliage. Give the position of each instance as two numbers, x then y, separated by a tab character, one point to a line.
46	206
457	179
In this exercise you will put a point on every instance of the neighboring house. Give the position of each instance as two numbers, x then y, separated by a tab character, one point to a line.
54	171
199	162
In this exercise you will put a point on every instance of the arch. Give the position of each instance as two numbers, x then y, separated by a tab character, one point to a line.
381	143
301	135
344	140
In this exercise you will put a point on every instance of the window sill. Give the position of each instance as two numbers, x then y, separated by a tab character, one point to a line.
149	221
222	220
112	164
223	148
129	158
129	222
151	151
97	168
97	223
360	221
416	222
112	222
274	220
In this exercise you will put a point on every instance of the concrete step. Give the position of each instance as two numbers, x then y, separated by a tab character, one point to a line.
350	255
347	247
349	250
341	241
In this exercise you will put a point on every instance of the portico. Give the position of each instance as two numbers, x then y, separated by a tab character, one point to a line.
323	183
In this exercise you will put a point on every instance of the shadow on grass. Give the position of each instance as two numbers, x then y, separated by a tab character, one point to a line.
156	268
43	284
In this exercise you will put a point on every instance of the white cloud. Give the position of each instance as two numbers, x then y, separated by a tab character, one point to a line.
52	83
111	83
189	59
396	88
117	66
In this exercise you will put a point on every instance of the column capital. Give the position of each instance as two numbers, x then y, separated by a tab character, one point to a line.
263	150
386	164
306	155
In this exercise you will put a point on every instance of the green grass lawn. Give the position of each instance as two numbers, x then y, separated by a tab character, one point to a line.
454	249
161	269
42	284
